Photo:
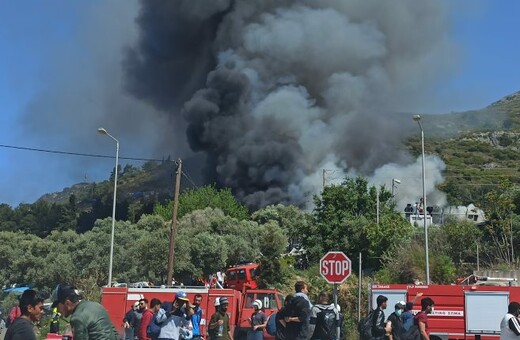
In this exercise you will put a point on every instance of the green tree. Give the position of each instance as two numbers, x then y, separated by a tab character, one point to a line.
291	219
240	238
345	220
273	243
462	238
204	197
498	229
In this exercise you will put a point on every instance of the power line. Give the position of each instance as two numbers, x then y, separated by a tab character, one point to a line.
79	154
189	179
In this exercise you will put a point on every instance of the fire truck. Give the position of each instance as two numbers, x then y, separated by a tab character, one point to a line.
460	311
119	300
242	277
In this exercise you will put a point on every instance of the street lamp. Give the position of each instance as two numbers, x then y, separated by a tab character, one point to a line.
417	118
394	182
102	131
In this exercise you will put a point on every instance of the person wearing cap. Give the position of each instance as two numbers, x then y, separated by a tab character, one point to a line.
31	308
219	323
88	319
172	321
396	322
258	322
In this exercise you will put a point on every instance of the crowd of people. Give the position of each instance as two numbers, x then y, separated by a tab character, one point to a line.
180	319
402	324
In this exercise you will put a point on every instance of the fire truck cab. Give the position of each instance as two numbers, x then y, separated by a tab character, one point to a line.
460	311
241	276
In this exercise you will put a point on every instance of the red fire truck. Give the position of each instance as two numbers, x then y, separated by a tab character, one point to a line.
242	277
460	311
118	301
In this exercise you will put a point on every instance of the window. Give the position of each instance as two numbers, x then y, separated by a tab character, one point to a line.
241	274
249	300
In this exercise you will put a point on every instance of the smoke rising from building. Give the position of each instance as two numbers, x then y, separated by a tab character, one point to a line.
274	91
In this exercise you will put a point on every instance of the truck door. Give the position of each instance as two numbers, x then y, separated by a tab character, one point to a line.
485	310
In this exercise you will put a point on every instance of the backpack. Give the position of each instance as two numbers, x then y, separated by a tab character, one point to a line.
365	326
153	329
326	323
412	333
270	328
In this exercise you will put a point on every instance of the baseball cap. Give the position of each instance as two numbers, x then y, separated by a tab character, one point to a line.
224	300
62	292
400	305
181	295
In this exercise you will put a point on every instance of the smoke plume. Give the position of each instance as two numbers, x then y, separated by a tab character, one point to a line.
275	91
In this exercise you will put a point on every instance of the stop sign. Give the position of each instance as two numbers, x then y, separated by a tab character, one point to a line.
335	267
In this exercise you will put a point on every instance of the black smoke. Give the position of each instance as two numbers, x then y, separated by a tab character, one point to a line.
273	92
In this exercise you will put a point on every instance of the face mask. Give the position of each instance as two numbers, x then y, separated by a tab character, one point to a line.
399	312
432	310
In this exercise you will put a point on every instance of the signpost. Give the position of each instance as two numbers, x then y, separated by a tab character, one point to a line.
335	267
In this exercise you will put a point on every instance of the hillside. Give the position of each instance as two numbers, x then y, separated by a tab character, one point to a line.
480	148
152	179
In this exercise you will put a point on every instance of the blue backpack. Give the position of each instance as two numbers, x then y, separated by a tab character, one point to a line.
270	328
153	329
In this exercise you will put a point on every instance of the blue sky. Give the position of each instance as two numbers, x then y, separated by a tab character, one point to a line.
486	31
39	45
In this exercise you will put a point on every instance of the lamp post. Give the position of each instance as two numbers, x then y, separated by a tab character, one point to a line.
417	118
394	182
102	131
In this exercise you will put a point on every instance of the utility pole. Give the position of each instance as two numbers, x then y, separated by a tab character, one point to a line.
173	231
324	178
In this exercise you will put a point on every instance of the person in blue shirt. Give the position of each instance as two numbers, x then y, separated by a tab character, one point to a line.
197	317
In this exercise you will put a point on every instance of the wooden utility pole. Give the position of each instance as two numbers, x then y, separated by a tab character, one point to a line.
173	230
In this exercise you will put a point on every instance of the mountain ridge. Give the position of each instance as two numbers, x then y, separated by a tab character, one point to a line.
496	125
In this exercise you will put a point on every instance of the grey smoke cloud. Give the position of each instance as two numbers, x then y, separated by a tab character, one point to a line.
267	92
297	86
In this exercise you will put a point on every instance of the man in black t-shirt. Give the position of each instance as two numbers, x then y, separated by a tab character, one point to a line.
31	307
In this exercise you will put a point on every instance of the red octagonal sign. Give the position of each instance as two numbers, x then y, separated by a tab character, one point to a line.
335	267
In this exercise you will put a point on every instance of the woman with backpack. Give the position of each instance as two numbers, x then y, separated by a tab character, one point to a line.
258	322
